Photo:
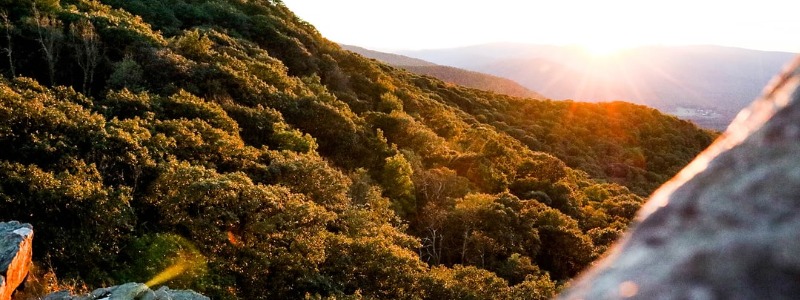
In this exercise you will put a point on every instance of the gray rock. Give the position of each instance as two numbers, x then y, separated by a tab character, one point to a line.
727	226
130	291
148	295
163	293
60	295
186	295
16	248
101	292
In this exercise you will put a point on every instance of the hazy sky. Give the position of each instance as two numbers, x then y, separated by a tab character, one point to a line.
601	25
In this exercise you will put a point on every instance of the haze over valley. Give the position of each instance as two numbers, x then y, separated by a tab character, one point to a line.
636	51
477	80
705	84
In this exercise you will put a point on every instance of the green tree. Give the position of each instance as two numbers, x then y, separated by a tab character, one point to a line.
534	288
398	185
266	239
463	283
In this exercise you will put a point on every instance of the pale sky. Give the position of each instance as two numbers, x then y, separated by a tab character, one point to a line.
600	25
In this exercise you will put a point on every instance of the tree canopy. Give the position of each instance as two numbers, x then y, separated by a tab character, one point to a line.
141	133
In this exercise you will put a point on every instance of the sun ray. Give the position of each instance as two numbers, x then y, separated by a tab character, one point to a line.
661	72
635	87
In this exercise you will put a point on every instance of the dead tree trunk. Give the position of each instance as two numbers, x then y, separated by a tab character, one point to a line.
86	44
48	35
8	49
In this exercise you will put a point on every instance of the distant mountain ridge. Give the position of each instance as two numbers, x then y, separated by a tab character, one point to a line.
389	58
449	74
705	84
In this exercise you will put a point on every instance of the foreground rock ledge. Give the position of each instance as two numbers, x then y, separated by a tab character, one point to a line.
15	256
727	226
130	291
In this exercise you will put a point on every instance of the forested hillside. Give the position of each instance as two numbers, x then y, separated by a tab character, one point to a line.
228	139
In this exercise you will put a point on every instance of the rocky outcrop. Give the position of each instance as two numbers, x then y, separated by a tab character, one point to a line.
727	226
15	261
15	256
130	291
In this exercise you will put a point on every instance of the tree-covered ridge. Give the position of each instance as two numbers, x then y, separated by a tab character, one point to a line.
632	145
135	131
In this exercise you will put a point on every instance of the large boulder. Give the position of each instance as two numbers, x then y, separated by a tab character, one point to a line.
130	291
727	226
16	241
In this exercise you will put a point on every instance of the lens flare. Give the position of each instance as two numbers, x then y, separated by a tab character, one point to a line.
170	272
179	256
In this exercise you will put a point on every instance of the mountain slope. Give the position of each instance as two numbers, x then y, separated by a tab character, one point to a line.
449	74
388	58
232	141
706	84
475	80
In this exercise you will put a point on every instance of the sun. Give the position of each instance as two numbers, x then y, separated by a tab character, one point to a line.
606	45
602	49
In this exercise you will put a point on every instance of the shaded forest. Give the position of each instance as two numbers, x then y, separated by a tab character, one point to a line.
139	134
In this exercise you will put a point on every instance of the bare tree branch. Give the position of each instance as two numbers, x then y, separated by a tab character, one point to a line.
49	34
86	44
8	49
